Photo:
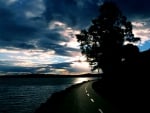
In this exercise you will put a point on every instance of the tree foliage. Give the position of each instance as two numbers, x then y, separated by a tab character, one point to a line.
103	41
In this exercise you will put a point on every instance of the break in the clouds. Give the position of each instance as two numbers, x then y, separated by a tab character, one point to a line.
38	36
138	13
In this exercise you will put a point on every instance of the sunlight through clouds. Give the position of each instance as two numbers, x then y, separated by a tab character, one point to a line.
38	36
31	56
41	35
144	34
81	67
140	29
138	24
66	32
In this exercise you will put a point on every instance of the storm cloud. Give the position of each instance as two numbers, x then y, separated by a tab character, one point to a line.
25	22
46	29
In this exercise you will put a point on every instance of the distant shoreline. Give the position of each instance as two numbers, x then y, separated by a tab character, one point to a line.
49	76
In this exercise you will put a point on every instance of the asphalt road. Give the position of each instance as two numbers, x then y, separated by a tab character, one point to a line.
83	99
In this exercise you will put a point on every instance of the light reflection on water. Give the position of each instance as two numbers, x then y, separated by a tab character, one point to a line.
24	95
80	80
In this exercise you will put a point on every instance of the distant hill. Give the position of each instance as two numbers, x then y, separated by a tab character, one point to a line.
49	76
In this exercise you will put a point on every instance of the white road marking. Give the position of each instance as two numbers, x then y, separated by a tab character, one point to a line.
92	100
88	94
100	110
86	89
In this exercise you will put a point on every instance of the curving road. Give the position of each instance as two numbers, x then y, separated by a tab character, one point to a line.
83	99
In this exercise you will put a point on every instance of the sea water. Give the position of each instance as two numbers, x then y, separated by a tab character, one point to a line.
24	95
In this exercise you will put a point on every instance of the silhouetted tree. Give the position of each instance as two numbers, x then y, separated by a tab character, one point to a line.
103	41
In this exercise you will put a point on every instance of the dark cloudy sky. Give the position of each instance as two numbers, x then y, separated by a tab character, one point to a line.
38	36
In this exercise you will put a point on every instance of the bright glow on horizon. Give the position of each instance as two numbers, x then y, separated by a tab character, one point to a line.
38	36
42	60
82	66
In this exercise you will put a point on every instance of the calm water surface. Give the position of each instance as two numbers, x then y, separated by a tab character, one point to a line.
24	95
